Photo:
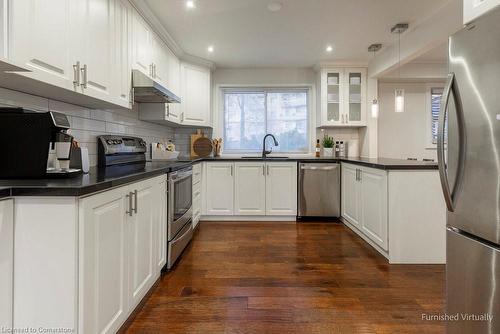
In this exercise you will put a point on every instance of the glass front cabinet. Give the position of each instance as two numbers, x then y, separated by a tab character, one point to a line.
343	97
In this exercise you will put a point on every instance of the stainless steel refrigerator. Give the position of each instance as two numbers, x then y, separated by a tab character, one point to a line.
469	166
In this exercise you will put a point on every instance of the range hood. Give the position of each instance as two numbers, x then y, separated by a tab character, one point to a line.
147	90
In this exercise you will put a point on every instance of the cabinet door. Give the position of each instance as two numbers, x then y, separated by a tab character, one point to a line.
220	188
351	201
374	205
174	74
40	34
103	262
122	51
355	88
160	227
160	60
6	262
195	104
96	37
331	96
281	188
141	239
250	188
141	45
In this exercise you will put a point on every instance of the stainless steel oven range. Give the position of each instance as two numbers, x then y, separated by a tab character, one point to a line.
179	213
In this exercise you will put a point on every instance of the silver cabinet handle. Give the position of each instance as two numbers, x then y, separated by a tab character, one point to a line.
135	201
84	73
360	173
168	110
231	170
129	211
151	70
267	167
154	69
182	117
76	73
263	170
449	195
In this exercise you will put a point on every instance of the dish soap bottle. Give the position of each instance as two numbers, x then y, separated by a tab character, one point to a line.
318	148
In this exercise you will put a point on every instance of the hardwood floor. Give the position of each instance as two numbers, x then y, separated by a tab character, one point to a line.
290	278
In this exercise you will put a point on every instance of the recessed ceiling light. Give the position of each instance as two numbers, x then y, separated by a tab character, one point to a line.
190	4
274	6
329	48
210	49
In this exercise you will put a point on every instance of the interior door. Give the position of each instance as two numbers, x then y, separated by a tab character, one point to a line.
250	188
474	129
40	34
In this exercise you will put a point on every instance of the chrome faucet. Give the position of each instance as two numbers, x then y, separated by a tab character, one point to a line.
264	151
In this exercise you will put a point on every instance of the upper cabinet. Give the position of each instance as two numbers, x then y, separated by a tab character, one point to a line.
141	40
195	95
475	8
342	97
40	36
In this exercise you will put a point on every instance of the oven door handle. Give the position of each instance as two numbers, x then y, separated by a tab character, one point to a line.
174	177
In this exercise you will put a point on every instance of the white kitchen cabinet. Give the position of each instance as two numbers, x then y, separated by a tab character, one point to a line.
174	73
119	252
351	194
197	194
142	57
141	239
195	95
364	202
6	262
160	231
122	51
41	37
250	188
220	188
342	97
475	8
161	60
281	188
104	262
94	47
374	218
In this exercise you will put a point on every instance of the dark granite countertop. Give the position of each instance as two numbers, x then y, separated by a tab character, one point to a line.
100	179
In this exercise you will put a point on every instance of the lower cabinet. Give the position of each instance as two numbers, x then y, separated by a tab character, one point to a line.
251	188
118	259
6	263
220	188
364	202
281	189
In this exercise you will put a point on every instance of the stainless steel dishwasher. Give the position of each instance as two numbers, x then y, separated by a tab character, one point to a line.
319	190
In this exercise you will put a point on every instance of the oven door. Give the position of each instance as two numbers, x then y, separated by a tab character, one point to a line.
180	198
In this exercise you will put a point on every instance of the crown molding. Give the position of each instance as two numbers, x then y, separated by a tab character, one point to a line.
188	58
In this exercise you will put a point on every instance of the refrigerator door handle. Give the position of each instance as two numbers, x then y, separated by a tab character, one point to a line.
451	87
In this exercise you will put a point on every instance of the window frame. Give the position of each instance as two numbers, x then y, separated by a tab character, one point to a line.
430	145
219	116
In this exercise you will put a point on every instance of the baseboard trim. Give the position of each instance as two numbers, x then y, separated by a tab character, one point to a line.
249	218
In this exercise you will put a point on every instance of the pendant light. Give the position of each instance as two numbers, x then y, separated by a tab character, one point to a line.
399	93
375	107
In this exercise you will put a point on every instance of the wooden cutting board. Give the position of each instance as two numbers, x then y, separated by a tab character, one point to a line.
201	147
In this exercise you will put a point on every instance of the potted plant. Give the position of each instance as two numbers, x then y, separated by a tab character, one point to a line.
328	146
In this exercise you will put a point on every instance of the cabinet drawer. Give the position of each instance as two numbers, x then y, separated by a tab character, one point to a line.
196	173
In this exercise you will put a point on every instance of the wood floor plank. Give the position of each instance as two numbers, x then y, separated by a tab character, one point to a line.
290	278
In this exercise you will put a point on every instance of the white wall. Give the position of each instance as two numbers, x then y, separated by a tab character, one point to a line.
405	135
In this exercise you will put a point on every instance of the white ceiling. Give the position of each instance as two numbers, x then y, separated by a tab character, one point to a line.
245	33
438	54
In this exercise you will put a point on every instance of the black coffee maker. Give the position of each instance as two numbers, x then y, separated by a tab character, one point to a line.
25	139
